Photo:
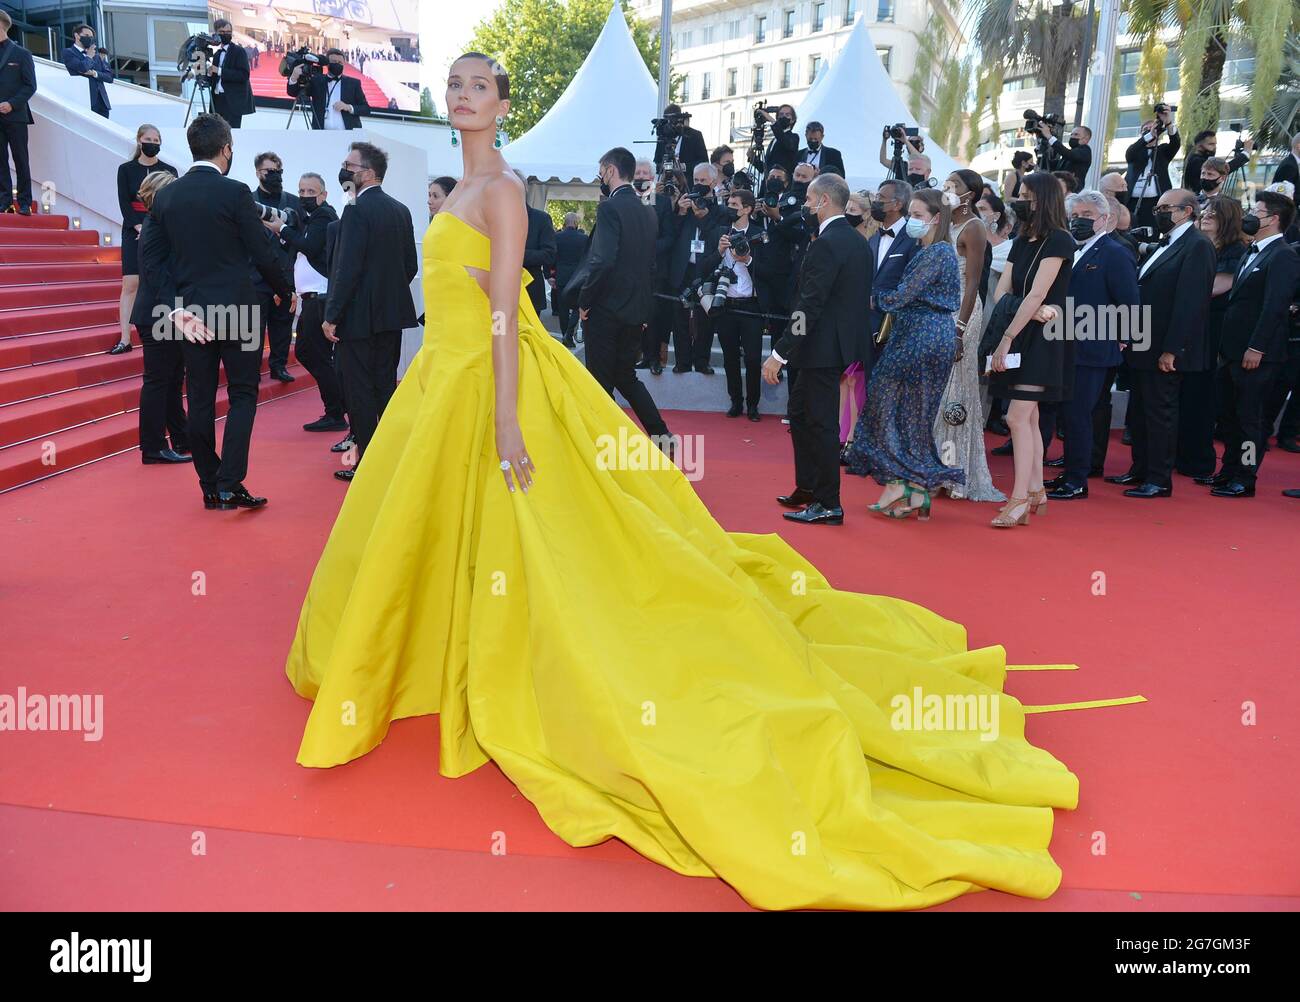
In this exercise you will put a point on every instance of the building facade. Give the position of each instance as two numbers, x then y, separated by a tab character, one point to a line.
731	54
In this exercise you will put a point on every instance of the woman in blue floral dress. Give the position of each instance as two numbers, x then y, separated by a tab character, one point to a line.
894	438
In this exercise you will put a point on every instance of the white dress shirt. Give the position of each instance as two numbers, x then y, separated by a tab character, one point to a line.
1087	246
888	234
221	59
333	117
1174	234
1252	255
743	286
815	157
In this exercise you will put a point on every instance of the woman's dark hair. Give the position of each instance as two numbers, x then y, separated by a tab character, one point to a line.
447	184
1068	179
999	210
1019	157
498	72
973	180
1227	215
1049	206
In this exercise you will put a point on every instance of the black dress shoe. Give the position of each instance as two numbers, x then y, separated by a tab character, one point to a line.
706	370
1291	492
214	502
997	426
1054	463
1289	444
816	514
1068	492
568	342
734	410
1005	449
343	446
1213	480
282	374
165	456
1055	482
1149	491
1126	438
656	369
326	423
753	416
1124	479
346	475
25	209
797	498
240	498
1234	489
643	364
681	368
121	348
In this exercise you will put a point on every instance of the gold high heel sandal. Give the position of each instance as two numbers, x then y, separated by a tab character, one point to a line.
1008	517
1038	501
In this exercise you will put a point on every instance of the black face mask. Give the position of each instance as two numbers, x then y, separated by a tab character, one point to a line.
86	41
1082	229
604	188
915	180
1164	220
336	69
150	149
809	215
854	218
799	188
1121	197
814	145
1022	209
878	211
347	177
774	185
1209	184
1250	225
225	37
307	205
226	170
728	170
727	214
273	182
1073	142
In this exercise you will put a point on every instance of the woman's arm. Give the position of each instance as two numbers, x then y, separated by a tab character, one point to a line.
917	277
1048	268
971	247
1223	282
507	227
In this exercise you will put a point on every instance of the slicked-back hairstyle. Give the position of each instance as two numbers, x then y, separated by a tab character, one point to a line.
372	158
498	72
622	160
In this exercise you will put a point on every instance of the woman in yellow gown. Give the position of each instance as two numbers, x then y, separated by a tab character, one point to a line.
638	672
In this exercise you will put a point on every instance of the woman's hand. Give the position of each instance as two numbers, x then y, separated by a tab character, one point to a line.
961	349
1000	355
1047	313
515	462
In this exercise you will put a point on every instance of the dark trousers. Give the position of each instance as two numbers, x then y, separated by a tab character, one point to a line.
1102	413
611	356
279	329
692	337
1287	381
13	139
242	361
742	334
162	407
568	315
221	106
1153	404
659	331
1245	393
368	372
1090	383
1197	411
316	354
815	432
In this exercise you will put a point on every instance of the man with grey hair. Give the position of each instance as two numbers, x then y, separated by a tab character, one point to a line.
891	247
828	331
1103	301
1289	168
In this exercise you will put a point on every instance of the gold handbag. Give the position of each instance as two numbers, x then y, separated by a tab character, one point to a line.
882	335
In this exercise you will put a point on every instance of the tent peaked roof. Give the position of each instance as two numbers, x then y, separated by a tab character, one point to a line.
608	103
855	99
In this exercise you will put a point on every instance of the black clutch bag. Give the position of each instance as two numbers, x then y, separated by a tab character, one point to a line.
1004	311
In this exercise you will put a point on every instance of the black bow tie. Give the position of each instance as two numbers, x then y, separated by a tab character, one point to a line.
1254	249
891	232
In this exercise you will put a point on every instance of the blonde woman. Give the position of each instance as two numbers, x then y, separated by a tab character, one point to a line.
130	175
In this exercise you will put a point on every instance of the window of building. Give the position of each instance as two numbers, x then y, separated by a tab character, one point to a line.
760	29
1127	70
814	67
850	11
1021	83
731	82
688	39
787	23
785	74
686	89
706	86
731	129
819	16
884	57
708	35
885	10
1128	124
733	30
758	79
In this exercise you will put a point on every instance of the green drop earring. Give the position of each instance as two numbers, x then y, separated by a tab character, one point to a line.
455	138
500	139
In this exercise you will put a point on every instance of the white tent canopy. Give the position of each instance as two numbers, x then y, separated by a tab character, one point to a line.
609	103
855	99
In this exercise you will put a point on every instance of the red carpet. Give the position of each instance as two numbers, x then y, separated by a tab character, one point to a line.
1182	806
267	82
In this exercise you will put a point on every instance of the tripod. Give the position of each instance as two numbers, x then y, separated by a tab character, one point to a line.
201	91
898	166
301	103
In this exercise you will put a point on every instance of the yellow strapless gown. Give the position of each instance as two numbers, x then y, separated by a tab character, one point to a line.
638	672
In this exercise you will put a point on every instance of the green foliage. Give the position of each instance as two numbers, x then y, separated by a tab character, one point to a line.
1282	121
557	209
1267	23
950	102
927	54
1151	73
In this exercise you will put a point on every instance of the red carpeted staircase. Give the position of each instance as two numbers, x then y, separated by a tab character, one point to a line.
64	401
267	82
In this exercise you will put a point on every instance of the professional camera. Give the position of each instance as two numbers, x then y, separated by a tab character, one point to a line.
761	111
671	126
195	53
1160	125
713	292
1147	239
740	245
1033	119
899	132
266	213
309	61
700	193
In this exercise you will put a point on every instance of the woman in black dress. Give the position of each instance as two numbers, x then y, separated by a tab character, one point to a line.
1038	271
148	141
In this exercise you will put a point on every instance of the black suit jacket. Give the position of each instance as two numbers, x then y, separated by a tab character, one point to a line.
539	255
372	268
831	302
1288	170
831	157
621	264
570	246
236	90
208	232
1176	288
886	276
694	152
17	81
1077	160
349	91
78	63
146	297
309	237
1137	155
681	270
782	151
1259	304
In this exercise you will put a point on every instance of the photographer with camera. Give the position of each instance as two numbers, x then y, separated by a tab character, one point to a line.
741	267
85	60
695	225
915	167
232	95
1204	148
1075	157
1148	164
783	150
677	141
279	208
663	199
337	101
723	162
818	154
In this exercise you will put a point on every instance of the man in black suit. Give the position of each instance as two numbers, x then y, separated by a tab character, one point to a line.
1148	166
370	302
827	332
337	101
1175	283
684	144
279	320
658	333
570	248
1204	148
17	85
1075	155
617	297
232	94
1288	169
539	251
783	150
206	286
816	153
695	232
1254	346
84	60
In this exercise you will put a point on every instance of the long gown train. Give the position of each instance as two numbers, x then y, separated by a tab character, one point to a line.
638	672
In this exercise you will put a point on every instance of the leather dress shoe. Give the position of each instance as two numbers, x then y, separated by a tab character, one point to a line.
706	370
797	498
656	369
1124	479
121	348
816	514
25	209
240	498
1213	480
1234	489
1289	444
343	446
1068	492
214	502
643	364
282	374
1054	463
1291	492
1149	491
165	456
753	415
997	426
326	423
681	368
1055	482
735	410
1005	449
345	475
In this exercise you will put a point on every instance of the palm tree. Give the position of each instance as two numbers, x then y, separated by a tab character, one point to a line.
1282	120
1043	37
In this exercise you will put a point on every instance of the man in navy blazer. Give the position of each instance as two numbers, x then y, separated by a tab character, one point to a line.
84	60
1104	300
17	85
891	250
